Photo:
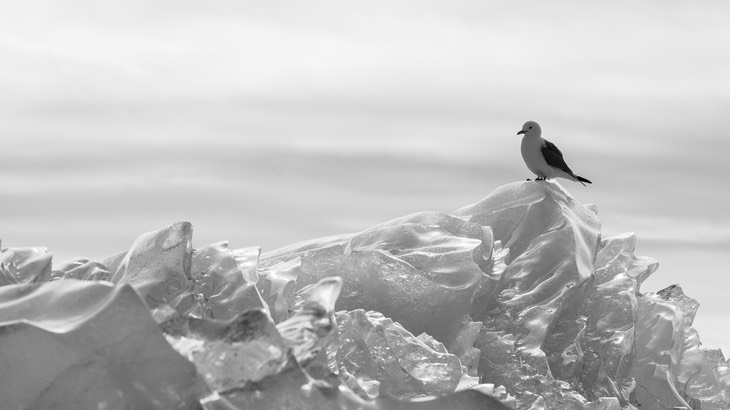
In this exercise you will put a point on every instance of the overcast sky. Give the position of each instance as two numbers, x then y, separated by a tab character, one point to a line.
265	123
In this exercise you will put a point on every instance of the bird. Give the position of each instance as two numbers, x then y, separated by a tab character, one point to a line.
543	158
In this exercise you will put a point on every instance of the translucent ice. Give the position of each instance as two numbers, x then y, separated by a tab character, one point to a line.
516	296
75	344
552	241
229	354
277	284
24	265
83	269
158	264
603	352
378	356
223	282
671	368
293	388
306	332
421	270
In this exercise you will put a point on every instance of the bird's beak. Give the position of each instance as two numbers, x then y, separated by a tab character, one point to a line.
521	132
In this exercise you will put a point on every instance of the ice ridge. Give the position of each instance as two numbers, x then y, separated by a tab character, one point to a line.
514	302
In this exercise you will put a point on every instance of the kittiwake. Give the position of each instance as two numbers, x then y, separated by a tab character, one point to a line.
542	157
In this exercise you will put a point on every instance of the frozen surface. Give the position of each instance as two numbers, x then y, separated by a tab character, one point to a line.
517	296
24	265
375	355
158	264
421	270
75	344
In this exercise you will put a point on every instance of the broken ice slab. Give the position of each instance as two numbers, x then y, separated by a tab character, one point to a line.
294	388
616	257
373	351
659	336
73	344
688	306
243	351
228	354
24	265
421	270
552	241
697	372
604	349
224	282
277	284
710	384
307	331
158	264
502	365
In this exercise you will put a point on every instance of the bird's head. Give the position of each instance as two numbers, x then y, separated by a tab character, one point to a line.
530	128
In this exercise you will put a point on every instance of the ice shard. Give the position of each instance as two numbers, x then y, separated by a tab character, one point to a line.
377	356
73	344
158	264
671	368
277	284
307	331
607	336
294	388
224	282
232	354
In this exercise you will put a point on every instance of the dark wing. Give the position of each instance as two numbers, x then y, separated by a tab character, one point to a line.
554	157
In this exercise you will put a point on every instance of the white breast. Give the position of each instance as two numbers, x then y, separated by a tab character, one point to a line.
531	153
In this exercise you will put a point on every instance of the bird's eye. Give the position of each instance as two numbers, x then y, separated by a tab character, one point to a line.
530	127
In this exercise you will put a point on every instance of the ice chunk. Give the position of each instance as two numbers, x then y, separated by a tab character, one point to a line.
295	389
659	336
686	305
307	330
552	241
606	342
228	354
24	265
224	282
534	327
292	388
158	264
696	373
373	347
277	284
76	344
709	385
416	270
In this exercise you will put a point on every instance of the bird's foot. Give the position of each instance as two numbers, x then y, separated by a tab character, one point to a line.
539	179
529	179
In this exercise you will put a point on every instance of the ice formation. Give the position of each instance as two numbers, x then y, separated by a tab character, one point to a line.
514	302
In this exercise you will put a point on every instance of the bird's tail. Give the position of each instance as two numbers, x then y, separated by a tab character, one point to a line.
582	180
